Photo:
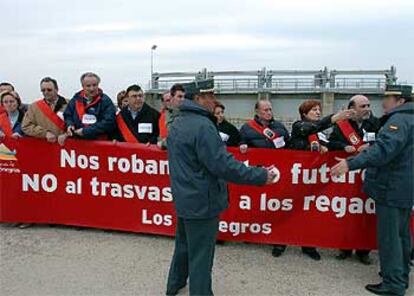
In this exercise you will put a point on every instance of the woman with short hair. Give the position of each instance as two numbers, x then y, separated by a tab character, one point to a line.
307	132
228	132
122	99
307	135
11	118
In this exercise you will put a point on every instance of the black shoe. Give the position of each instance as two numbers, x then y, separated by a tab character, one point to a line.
173	292
343	255
380	274
25	225
312	253
379	289
365	259
277	251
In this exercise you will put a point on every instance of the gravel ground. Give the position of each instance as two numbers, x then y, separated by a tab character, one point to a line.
64	261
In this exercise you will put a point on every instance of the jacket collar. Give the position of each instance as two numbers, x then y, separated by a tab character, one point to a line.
80	95
191	106
406	108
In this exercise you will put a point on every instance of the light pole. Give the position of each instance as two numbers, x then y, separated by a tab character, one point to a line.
154	47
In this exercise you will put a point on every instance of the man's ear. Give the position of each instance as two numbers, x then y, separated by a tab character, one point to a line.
401	101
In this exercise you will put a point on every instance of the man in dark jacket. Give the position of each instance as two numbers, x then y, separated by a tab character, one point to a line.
389	181
137	122
90	114
199	168
354	135
263	131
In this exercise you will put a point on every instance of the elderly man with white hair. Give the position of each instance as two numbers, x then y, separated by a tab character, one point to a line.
353	136
90	114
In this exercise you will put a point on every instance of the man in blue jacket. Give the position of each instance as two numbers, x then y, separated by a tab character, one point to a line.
90	114
199	168
389	181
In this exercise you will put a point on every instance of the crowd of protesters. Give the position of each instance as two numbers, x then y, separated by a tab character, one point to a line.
92	115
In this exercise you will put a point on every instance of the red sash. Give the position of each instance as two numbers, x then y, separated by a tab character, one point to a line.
262	130
163	124
5	124
81	108
52	116
314	140
412	224
125	131
350	134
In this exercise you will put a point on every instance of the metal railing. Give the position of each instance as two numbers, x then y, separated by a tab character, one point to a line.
280	81
299	83
364	83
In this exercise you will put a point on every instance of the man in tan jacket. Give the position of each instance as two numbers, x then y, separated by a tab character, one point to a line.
44	118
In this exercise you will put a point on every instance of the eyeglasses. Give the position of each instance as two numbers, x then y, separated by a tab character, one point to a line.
46	89
136	96
9	102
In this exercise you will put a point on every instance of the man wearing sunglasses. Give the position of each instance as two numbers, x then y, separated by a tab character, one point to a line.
44	118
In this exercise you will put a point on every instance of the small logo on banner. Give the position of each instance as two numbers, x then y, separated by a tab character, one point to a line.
6	153
8	160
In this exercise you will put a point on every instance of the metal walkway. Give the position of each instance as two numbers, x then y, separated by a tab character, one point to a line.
283	81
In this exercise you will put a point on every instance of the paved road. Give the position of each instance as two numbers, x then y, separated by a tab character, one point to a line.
63	261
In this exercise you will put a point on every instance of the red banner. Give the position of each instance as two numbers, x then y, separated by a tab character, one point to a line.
125	186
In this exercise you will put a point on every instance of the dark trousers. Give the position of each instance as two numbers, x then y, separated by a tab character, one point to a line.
282	248
394	246
359	253
195	241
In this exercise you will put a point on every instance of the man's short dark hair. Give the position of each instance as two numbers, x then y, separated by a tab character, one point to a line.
351	104
134	87
49	79
7	84
176	87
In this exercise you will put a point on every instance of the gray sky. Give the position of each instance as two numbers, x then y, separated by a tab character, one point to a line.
64	38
